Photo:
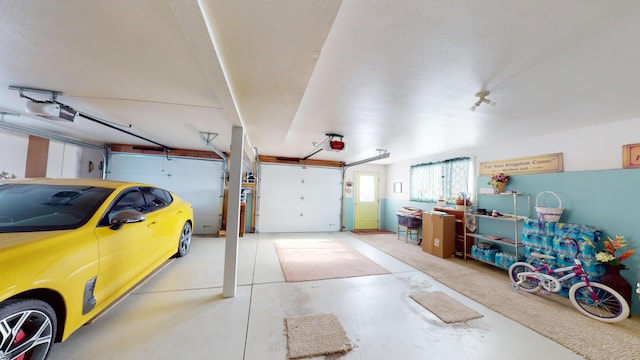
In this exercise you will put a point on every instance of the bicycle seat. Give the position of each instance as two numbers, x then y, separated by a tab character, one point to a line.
542	256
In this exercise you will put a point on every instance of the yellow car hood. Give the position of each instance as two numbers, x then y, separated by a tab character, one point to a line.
9	240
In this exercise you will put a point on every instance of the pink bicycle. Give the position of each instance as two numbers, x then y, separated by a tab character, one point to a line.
595	300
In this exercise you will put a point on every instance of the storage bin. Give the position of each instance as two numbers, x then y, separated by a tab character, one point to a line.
409	221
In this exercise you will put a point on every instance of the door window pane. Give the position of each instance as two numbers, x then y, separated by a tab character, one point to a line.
367	188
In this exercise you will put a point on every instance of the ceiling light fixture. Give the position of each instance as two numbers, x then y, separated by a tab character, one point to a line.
482	95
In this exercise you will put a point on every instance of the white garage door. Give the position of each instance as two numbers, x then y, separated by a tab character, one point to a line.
296	198
198	181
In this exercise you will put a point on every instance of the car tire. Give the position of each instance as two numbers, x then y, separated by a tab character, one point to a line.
29	329
184	242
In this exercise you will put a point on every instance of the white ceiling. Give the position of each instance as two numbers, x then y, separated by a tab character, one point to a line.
398	75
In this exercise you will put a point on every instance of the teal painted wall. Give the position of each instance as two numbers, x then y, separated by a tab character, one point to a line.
389	218
608	199
348	213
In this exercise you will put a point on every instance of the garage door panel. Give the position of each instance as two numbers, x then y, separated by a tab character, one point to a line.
317	176
294	198
283	181
195	180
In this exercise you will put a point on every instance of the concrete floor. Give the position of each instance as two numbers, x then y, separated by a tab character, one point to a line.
180	313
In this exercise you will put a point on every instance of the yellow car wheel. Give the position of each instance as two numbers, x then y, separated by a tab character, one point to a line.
28	329
184	243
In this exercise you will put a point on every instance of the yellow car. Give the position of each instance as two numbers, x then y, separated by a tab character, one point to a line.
71	247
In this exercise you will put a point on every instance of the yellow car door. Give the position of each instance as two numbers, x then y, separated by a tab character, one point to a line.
162	216
125	248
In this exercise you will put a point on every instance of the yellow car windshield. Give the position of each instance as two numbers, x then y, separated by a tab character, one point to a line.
37	207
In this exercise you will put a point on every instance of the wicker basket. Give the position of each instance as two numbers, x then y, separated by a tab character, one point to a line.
498	188
549	214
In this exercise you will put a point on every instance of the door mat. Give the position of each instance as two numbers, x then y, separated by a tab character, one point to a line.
370	232
445	307
306	260
315	335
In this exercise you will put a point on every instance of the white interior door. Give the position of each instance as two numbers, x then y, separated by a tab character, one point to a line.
198	181
296	198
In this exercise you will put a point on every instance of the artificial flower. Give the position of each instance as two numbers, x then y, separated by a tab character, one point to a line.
608	254
498	178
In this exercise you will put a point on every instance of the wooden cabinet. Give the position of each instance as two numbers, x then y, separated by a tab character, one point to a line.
460	233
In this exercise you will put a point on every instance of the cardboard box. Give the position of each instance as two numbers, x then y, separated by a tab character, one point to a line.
438	235
426	226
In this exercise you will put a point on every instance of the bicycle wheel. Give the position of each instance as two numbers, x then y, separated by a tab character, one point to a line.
529	284
609	307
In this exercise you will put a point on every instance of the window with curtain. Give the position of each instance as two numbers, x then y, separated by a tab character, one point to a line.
440	180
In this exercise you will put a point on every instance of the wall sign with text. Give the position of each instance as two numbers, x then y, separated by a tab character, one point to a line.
527	165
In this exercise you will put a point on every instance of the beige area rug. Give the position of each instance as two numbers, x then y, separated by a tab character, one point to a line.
305	260
445	307
552	316
315	335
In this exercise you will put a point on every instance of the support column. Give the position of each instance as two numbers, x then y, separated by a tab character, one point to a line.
233	213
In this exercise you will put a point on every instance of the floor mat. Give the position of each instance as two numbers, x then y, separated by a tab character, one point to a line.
365	232
305	260
315	335
445	307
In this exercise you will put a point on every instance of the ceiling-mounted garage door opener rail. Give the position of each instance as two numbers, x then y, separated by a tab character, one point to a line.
52	109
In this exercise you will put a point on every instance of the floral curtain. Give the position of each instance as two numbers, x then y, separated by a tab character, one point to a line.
440	180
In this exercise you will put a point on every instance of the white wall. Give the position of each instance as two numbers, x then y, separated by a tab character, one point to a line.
64	160
93	155
72	161
594	148
13	148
